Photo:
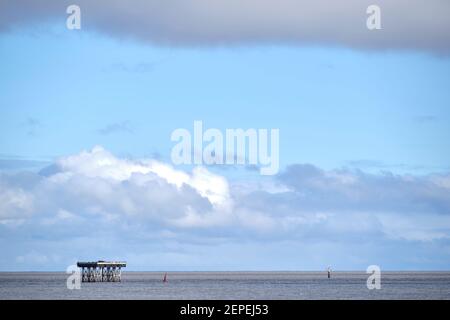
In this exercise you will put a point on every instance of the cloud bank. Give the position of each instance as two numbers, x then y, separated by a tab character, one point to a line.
406	24
94	203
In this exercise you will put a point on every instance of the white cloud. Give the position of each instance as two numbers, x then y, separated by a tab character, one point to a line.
95	185
99	163
15	204
97	198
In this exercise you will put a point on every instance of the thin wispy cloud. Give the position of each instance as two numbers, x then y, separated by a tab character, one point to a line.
425	118
16	164
117	127
375	164
32	126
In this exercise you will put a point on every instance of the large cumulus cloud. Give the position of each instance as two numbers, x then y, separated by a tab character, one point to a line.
406	24
96	203
96	185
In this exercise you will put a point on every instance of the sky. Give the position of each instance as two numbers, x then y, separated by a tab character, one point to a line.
86	118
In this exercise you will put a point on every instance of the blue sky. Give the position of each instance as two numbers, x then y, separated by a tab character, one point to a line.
332	105
358	127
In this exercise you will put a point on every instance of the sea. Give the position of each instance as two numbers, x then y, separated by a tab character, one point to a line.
229	285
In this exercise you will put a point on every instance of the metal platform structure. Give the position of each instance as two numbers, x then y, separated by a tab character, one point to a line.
101	271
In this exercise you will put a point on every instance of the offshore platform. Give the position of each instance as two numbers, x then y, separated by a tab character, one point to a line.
101	271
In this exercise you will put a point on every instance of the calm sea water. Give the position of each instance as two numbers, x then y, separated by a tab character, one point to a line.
230	285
